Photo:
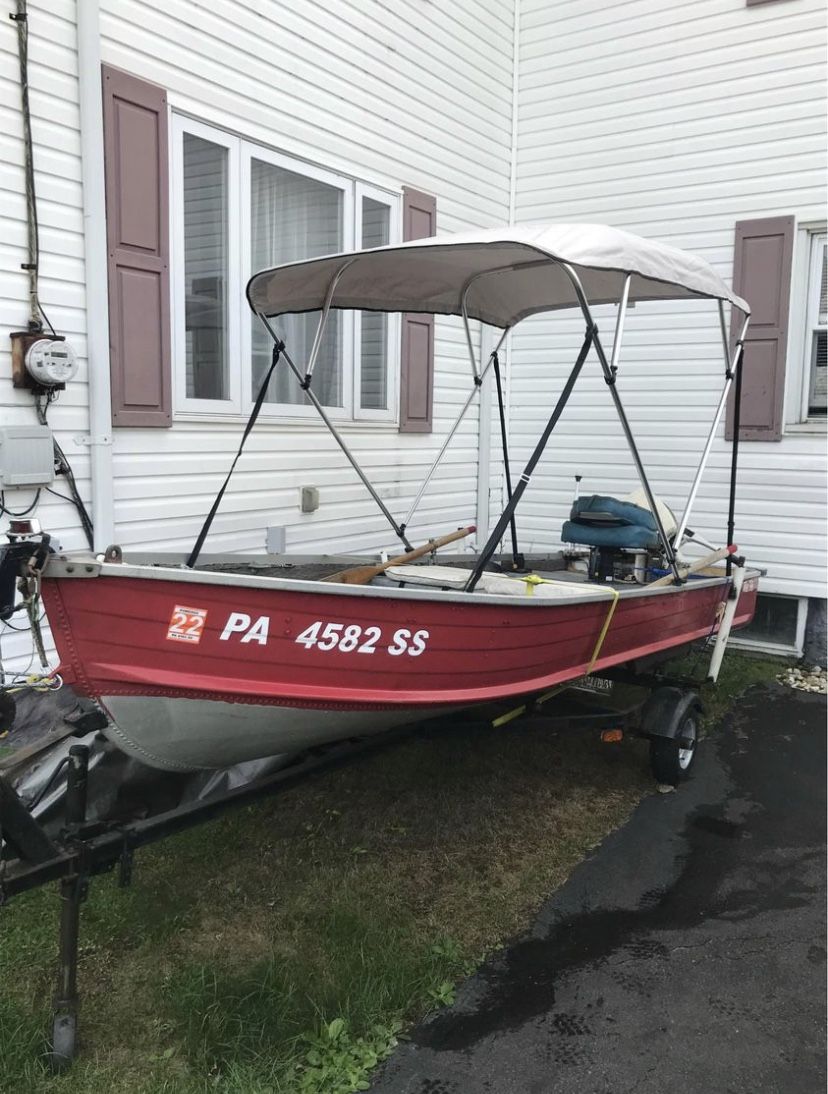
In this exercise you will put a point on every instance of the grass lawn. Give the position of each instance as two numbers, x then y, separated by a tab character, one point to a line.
283	947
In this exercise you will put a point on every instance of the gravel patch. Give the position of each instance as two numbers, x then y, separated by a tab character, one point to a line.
805	679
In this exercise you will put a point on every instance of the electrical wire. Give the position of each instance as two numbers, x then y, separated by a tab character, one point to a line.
37	312
21	18
4	509
22	630
63	467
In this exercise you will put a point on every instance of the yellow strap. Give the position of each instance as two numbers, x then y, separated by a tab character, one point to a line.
532	580
614	593
509	716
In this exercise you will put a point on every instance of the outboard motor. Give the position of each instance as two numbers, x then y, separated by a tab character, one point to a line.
25	540
622	534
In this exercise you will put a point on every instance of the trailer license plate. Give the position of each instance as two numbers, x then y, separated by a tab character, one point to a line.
595	684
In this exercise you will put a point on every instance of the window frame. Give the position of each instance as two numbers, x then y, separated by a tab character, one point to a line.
179	126
249	150
240	151
743	641
818	242
394	331
798	371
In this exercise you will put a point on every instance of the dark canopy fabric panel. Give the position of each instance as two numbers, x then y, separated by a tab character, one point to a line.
417	351
137	231
762	275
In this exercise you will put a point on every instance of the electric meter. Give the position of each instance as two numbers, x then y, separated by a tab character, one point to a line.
51	362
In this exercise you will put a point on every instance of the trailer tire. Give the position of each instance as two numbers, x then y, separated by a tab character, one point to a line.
672	758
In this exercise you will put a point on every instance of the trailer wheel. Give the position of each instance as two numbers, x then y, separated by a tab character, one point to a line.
671	758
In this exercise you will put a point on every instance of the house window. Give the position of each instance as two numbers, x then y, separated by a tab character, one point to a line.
778	625
239	207
816	323
204	166
373	345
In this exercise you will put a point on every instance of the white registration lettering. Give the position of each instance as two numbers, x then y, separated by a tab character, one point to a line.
258	632
309	635
330	636
346	638
236	622
399	643
372	636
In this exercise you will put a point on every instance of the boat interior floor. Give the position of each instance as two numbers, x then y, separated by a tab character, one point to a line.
318	567
448	572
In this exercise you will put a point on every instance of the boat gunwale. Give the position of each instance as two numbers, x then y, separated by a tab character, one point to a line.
57	569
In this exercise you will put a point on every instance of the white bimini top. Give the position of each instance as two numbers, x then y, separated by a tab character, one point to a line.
503	274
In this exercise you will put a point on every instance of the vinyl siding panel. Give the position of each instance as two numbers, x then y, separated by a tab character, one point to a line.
409	94
673	122
53	98
397	95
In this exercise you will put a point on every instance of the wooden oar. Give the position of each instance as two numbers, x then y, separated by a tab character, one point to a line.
699	564
361	575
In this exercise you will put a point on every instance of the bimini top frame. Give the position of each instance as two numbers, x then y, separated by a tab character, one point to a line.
499	277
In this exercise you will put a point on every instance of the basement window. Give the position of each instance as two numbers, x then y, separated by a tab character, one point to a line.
777	627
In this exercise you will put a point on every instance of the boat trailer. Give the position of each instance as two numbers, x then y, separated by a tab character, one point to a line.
31	855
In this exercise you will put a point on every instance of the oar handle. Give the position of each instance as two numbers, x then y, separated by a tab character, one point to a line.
699	564
361	575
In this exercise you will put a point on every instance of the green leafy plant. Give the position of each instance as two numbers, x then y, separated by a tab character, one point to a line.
442	993
338	1063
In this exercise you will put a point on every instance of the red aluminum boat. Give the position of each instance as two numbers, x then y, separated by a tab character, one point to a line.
205	665
209	669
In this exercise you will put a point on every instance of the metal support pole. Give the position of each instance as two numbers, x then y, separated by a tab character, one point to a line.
609	377
734	457
691	497
475	372
525	478
619	324
72	892
729	373
320	326
727	620
517	557
398	529
478	383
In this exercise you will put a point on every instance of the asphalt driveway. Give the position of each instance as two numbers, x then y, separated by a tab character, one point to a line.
687	954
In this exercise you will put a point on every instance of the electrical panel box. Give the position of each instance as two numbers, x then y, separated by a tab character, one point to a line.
27	456
275	540
309	499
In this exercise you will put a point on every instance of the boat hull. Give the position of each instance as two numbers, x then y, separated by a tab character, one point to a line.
206	670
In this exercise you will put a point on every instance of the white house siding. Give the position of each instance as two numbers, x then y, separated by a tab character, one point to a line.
403	94
53	97
674	121
396	94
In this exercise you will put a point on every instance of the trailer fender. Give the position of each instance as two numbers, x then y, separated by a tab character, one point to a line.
664	712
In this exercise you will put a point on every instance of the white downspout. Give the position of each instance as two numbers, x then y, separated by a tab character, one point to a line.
513	197
513	167
95	266
487	340
484	440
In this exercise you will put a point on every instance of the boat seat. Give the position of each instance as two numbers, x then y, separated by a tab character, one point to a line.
453	578
599	520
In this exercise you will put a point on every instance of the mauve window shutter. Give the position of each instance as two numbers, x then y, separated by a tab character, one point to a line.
417	353
138	247
762	275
